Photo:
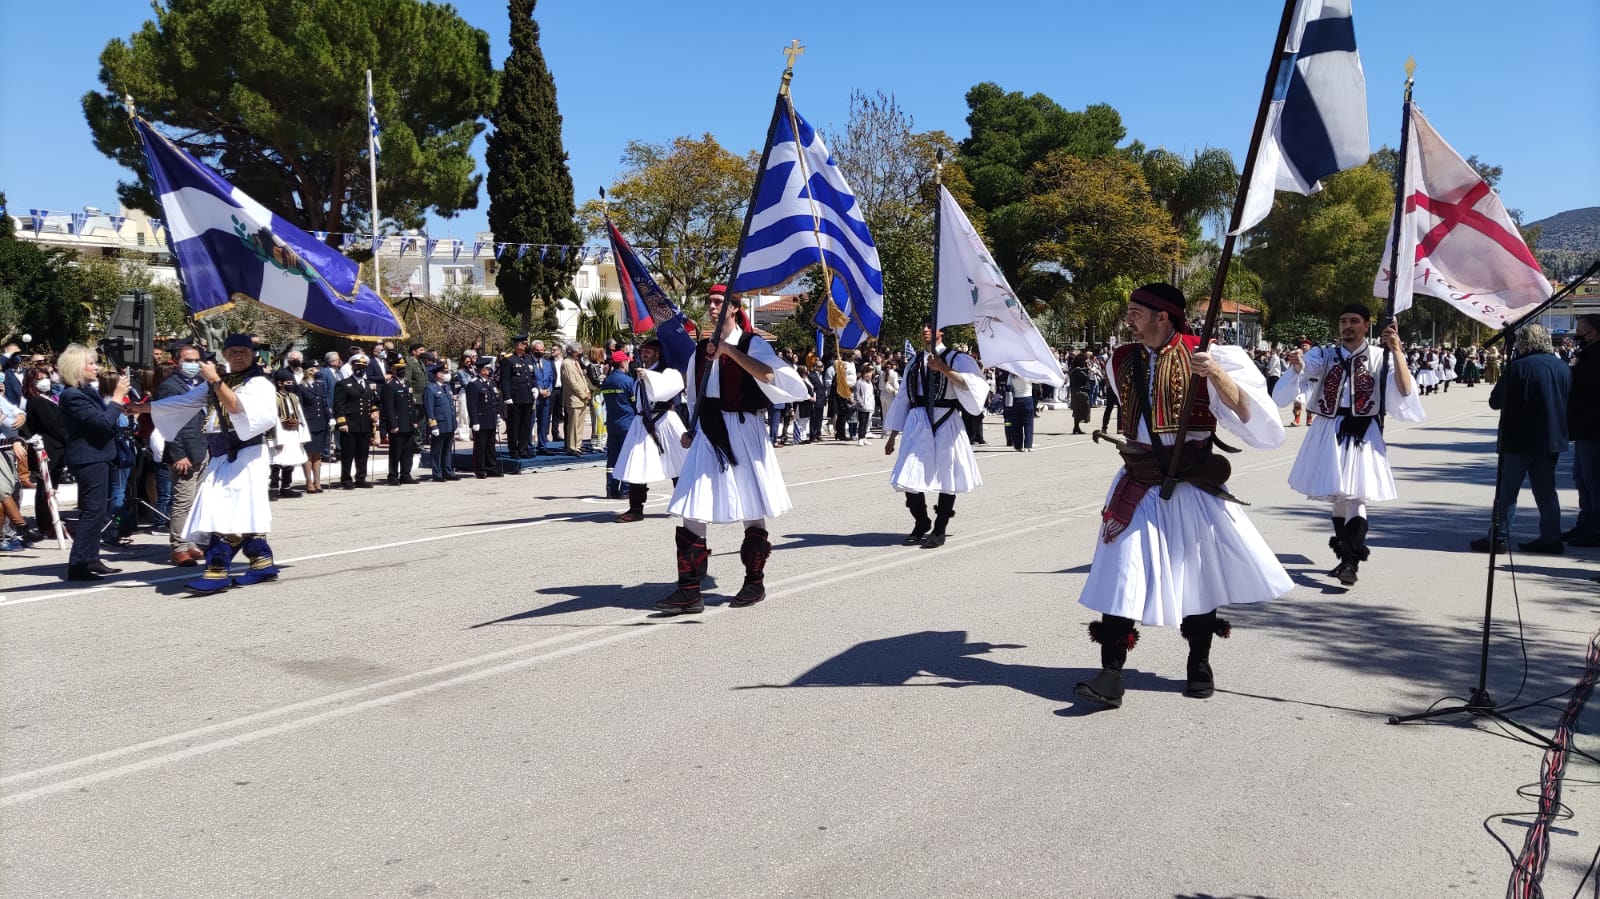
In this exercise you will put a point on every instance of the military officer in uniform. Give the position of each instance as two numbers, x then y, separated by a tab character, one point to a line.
518	391
398	413
483	414
354	399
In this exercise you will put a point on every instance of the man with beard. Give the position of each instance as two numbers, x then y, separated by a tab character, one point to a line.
1351	388
1175	561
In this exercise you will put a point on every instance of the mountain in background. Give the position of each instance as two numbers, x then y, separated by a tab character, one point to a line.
1568	241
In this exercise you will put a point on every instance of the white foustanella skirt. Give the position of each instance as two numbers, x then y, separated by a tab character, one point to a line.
1326	469
641	461
746	491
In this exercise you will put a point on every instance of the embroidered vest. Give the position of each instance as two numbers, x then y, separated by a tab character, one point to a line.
923	382
1168	390
738	390
1364	384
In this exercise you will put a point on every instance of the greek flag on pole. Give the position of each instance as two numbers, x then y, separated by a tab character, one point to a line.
805	216
1317	123
228	247
372	123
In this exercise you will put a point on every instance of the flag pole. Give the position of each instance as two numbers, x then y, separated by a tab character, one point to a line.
715	339
933	316
372	159
1400	188
1214	306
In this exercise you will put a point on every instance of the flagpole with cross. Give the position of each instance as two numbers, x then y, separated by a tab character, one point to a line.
372	159
791	53
1214	306
1400	190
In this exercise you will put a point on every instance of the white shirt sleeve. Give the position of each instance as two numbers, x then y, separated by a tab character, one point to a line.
970	386
1264	430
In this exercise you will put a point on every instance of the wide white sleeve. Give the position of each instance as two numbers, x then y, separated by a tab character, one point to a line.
171	414
1313	365
787	386
894	419
1405	408
157	444
1264	430
660	386
260	401
970	385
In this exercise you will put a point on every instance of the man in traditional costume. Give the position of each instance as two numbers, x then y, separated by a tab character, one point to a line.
652	450
230	512
936	456
730	473
1351	387
1175	561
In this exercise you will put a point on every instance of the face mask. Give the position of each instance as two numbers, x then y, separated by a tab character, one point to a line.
189	369
42	385
296	363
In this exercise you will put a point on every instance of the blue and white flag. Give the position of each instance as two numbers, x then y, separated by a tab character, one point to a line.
805	215
372	122
1317	123
229	247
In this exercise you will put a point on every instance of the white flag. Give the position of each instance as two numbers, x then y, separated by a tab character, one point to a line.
1317	123
973	291
1457	242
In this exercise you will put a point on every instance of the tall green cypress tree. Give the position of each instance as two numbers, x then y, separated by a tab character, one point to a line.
530	187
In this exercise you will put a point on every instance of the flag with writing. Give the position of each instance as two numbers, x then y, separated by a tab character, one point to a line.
1317	123
806	216
973	291
229	247
646	306
1457	242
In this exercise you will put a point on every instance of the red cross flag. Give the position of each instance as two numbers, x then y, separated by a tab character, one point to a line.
1457	242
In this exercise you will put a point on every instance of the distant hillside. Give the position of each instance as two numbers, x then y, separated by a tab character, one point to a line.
1569	242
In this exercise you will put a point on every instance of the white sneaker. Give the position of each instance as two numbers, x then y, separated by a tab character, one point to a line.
861	442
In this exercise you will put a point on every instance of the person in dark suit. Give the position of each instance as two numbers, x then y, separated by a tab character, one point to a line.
518	388
440	409
185	457
91	425
483	414
1583	426
1532	398
544	384
353	401
398	417
317	409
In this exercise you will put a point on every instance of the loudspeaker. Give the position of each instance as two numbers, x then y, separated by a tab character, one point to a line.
130	337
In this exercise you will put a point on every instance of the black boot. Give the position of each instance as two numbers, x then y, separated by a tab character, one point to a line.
637	494
1339	544
943	511
1199	630
1355	532
693	557
918	504
753	553
1116	635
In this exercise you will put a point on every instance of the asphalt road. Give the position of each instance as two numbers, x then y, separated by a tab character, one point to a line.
458	690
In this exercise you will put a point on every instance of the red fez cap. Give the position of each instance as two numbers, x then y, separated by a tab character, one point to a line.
719	290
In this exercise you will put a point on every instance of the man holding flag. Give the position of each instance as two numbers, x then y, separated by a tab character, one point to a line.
730	474
936	456
1352	386
652	449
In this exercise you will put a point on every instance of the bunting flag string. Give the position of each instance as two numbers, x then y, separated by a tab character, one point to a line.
78	224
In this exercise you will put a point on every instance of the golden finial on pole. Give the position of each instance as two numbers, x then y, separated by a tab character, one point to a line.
792	52
127	103
1411	70
938	166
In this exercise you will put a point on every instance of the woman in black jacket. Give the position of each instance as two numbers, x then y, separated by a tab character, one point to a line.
91	450
45	422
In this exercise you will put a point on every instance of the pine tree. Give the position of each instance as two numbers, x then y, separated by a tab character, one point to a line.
530	186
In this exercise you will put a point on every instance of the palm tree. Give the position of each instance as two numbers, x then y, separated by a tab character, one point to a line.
1191	190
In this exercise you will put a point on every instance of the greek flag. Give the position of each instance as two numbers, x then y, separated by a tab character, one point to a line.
372	121
805	215
1317	123
228	247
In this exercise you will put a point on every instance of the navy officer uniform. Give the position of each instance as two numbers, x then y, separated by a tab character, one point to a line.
440	409
518	389
399	416
483	415
354	399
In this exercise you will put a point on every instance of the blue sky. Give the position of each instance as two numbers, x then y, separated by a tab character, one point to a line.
1516	84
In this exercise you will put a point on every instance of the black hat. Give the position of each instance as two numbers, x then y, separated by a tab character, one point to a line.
520	338
435	369
283	374
1361	309
485	362
248	341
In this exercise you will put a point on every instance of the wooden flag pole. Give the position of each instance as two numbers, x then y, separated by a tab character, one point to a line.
1399	195
933	315
1214	307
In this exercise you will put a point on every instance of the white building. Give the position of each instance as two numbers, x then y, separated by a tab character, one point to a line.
91	232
